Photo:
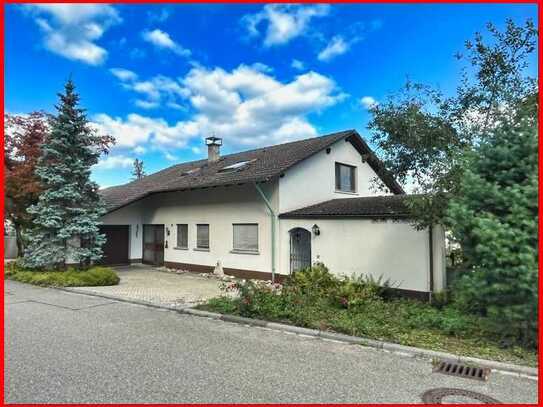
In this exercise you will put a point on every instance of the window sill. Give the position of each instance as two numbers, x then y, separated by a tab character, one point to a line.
200	249
345	192
180	248
257	253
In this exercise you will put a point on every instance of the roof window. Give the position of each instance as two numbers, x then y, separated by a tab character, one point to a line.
236	166
191	171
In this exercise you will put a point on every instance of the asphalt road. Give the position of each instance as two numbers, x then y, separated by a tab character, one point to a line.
68	348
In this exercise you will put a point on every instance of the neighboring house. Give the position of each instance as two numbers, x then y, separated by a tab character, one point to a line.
267	212
10	241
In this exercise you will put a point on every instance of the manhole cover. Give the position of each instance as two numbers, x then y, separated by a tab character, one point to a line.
456	396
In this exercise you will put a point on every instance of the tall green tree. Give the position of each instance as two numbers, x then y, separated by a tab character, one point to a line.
23	136
422	135
66	217
494	217
138	172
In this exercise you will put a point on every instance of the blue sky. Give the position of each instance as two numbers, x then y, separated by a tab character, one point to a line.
160	78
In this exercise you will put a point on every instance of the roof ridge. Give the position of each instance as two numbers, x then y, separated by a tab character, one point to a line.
291	142
171	167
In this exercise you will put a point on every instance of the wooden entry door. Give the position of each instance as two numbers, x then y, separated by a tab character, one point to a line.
153	244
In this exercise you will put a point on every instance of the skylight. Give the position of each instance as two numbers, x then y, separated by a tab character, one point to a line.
191	171
236	166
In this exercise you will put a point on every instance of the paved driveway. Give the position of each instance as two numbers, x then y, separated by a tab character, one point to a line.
144	283
68	348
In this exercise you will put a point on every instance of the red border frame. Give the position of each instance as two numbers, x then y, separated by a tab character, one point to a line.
540	149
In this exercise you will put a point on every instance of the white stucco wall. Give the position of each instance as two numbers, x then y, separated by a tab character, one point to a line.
313	180
131	215
392	249
220	208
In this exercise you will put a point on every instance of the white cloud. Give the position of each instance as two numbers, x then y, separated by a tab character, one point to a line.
368	102
135	130
176	106
159	16
145	104
156	91
140	150
71	30
162	40
124	74
283	22
259	66
170	157
249	108
297	64
244	106
111	162
196	150
336	46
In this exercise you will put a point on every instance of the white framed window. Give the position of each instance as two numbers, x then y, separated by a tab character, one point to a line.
345	178
245	237
182	236
202	236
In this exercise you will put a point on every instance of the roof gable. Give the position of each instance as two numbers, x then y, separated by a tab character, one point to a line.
261	165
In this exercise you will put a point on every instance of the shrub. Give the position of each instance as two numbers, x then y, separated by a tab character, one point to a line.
355	291
440	299
223	305
361	305
315	281
94	276
257	298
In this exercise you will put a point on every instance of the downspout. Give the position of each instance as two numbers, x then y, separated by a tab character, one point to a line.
272	219
431	255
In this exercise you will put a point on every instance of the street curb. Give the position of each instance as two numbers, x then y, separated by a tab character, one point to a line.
382	345
120	299
387	346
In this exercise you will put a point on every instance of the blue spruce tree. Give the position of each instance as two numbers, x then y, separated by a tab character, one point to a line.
67	216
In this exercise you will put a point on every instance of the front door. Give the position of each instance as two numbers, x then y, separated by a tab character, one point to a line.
153	244
300	249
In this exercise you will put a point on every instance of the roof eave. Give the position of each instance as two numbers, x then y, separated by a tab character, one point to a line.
170	190
344	216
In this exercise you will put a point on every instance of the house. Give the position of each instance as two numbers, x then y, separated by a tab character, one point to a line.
267	212
10	241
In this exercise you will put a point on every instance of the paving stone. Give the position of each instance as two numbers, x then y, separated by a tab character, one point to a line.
160	287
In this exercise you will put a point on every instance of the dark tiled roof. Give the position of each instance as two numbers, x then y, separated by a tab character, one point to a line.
269	162
388	206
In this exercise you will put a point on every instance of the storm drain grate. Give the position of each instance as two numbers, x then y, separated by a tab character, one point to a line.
460	370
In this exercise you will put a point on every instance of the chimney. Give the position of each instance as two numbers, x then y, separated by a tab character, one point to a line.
213	148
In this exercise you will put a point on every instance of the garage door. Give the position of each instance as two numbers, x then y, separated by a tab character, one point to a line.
116	247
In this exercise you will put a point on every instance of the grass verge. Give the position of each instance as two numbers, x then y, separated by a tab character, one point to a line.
312	301
94	276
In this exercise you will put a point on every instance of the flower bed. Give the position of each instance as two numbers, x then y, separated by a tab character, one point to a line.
314	298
